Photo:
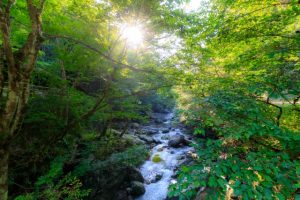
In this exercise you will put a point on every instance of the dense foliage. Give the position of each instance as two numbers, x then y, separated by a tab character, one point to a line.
71	85
241	63
85	81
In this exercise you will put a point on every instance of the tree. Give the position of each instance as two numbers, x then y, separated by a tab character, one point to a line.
240	58
18	64
84	32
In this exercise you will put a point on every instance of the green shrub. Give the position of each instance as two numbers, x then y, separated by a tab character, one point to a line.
111	143
55	185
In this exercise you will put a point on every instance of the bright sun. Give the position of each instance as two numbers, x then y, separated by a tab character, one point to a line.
133	34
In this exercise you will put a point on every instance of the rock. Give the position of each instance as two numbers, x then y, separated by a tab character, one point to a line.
165	131
180	157
137	188
105	184
128	190
172	152
134	174
192	155
165	137
115	132
153	177
158	121
151	132
161	149
147	139
175	175
157	141
134	139
156	158
157	177
177	141
122	195
135	125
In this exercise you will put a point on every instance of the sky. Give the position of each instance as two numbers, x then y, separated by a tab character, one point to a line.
193	5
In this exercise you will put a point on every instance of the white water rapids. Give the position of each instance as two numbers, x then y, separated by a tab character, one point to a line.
171	158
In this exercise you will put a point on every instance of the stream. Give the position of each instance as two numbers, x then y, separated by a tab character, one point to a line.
158	175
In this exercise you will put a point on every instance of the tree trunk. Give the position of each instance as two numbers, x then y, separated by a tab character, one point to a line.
4	154
18	66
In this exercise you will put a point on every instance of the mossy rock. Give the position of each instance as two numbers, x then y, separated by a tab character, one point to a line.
156	158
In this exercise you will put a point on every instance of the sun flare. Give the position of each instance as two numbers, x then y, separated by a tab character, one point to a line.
133	34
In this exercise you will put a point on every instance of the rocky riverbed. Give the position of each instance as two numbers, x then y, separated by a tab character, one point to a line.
170	149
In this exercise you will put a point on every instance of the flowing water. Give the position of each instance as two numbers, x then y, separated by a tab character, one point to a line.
171	158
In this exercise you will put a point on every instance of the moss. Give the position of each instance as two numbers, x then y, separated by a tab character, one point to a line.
156	158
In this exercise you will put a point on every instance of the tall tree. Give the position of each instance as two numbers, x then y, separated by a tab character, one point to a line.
18	64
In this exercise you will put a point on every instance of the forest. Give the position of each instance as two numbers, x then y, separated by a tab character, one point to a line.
149	99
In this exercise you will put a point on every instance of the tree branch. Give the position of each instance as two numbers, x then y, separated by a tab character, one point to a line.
274	105
90	47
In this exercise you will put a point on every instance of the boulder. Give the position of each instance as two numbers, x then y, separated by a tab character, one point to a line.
175	175
165	131
177	141
156	158
180	157
161	149
135	125
157	141
122	195
154	177
137	188
134	174
134	139
165	137
147	139
158	121
104	184
115	132
150	132
157	178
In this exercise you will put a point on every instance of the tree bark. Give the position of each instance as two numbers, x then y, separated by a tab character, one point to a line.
19	65
4	154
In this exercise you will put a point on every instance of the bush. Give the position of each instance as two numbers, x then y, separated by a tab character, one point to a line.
55	185
111	143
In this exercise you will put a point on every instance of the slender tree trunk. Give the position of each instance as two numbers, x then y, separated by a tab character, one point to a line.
4	154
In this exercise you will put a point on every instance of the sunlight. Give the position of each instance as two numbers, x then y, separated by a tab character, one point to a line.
133	34
193	5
